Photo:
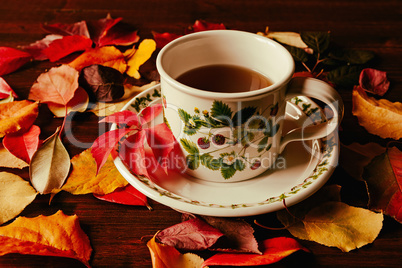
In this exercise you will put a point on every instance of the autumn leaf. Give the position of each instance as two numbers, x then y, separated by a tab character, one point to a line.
36	49
162	39
23	145
355	157
374	81
202	25
9	160
65	46
383	177
58	85
77	28
379	117
17	116
105	109
84	179
50	165
79	103
324	219
103	83
56	235
12	59
15	195
288	38
137	57
273	250
127	195
193	234
108	56
6	90
109	31
239	235
164	256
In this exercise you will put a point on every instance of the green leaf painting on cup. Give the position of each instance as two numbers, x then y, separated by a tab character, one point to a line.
247	128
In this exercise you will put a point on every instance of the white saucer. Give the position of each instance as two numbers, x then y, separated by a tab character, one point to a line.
308	166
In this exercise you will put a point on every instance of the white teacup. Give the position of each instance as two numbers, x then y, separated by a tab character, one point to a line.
235	136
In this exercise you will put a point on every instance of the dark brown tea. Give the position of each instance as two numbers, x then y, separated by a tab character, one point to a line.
224	78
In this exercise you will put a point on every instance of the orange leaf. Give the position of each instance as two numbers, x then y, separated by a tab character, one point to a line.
164	256
107	56
55	235
379	117
58	85
17	116
83	178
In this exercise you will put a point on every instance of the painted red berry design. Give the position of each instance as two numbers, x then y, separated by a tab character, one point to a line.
219	139
256	164
203	142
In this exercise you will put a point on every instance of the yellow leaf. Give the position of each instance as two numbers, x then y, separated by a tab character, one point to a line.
55	235
7	159
379	117
15	195
139	57
164	256
83	178
17	116
108	56
337	224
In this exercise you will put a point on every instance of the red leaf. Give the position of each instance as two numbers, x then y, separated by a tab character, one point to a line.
374	81
78	28
110	31
104	144
6	90
125	117
161	140
127	196
133	155
162	39
61	48
194	234
23	145
273	250
201	25
383	178
150	112
36	49
239	235
12	59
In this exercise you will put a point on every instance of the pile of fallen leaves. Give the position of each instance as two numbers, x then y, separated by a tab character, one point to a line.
97	69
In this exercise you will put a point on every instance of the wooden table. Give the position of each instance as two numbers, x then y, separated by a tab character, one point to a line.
116	230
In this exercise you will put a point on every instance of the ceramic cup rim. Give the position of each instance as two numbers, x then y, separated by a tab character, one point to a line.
225	95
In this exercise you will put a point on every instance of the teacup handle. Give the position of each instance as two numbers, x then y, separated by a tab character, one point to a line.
311	87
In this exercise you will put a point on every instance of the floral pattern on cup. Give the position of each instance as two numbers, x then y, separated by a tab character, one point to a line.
220	129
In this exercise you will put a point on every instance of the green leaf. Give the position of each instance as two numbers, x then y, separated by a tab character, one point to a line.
227	171
262	144
346	76
221	111
193	161
185	117
352	56
239	165
189	146
298	53
243	115
318	41
209	162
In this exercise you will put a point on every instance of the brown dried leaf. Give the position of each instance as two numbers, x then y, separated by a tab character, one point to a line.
8	160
